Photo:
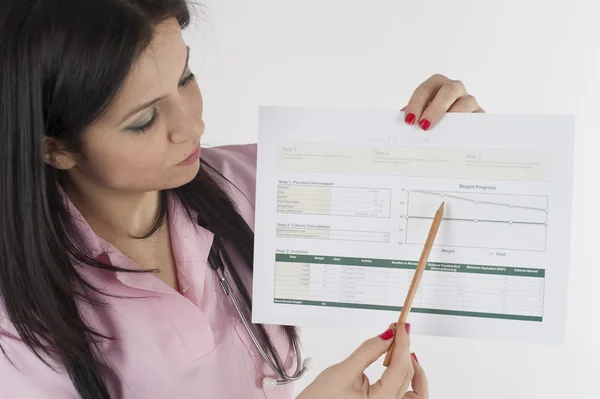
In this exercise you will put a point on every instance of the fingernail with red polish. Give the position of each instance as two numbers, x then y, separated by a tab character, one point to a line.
424	124
415	357
387	335
410	118
407	327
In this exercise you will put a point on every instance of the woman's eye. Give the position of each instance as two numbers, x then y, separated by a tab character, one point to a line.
185	81
145	124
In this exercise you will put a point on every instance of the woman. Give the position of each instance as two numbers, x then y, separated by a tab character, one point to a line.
108	213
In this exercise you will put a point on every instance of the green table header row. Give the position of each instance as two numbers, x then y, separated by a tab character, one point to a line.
408	264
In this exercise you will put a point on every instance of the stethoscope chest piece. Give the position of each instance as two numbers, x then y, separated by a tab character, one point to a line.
269	382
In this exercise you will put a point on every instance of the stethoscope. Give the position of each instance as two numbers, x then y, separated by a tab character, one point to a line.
268	382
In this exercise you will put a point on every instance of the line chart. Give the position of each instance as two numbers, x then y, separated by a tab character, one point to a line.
481	220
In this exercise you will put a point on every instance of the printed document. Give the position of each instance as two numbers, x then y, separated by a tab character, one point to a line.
345	200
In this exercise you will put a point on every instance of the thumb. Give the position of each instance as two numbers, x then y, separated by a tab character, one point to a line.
369	351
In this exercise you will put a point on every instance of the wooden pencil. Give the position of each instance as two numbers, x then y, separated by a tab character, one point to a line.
435	225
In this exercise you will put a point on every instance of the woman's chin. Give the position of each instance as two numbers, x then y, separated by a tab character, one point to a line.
183	176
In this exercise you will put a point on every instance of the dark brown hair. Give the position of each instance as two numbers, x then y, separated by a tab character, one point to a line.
62	62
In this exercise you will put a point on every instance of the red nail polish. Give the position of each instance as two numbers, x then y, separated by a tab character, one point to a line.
424	124
387	335
407	327
415	357
410	118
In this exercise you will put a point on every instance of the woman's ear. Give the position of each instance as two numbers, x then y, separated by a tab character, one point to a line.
56	155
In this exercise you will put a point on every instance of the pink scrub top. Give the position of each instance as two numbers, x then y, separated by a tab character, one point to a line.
188	345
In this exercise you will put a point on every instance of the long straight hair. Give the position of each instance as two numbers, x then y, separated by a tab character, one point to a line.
62	63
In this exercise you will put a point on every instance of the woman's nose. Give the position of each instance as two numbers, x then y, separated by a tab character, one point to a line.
188	125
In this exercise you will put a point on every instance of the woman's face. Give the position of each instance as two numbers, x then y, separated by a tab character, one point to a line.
149	138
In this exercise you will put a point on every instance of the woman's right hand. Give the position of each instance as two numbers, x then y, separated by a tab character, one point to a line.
346	380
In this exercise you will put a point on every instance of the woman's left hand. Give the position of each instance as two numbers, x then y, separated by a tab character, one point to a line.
347	379
436	96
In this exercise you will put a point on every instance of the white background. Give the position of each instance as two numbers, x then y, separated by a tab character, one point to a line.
515	56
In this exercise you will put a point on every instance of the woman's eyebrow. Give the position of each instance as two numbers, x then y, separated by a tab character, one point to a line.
149	103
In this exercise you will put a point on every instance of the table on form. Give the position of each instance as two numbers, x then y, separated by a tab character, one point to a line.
452	289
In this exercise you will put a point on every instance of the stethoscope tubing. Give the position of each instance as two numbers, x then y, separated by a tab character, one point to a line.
301	366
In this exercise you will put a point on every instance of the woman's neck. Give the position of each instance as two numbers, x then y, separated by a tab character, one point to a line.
117	218
114	215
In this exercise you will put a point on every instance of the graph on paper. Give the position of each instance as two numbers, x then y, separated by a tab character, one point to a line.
494	221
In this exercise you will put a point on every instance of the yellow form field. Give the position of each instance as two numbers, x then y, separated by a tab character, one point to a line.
333	201
333	234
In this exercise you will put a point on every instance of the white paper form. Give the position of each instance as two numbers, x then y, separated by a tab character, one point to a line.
345	200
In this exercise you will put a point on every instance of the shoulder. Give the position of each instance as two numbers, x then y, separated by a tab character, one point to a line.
23	374
237	164
231	155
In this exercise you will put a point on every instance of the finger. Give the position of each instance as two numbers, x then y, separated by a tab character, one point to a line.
398	375
420	385
422	96
368	352
467	103
451	92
